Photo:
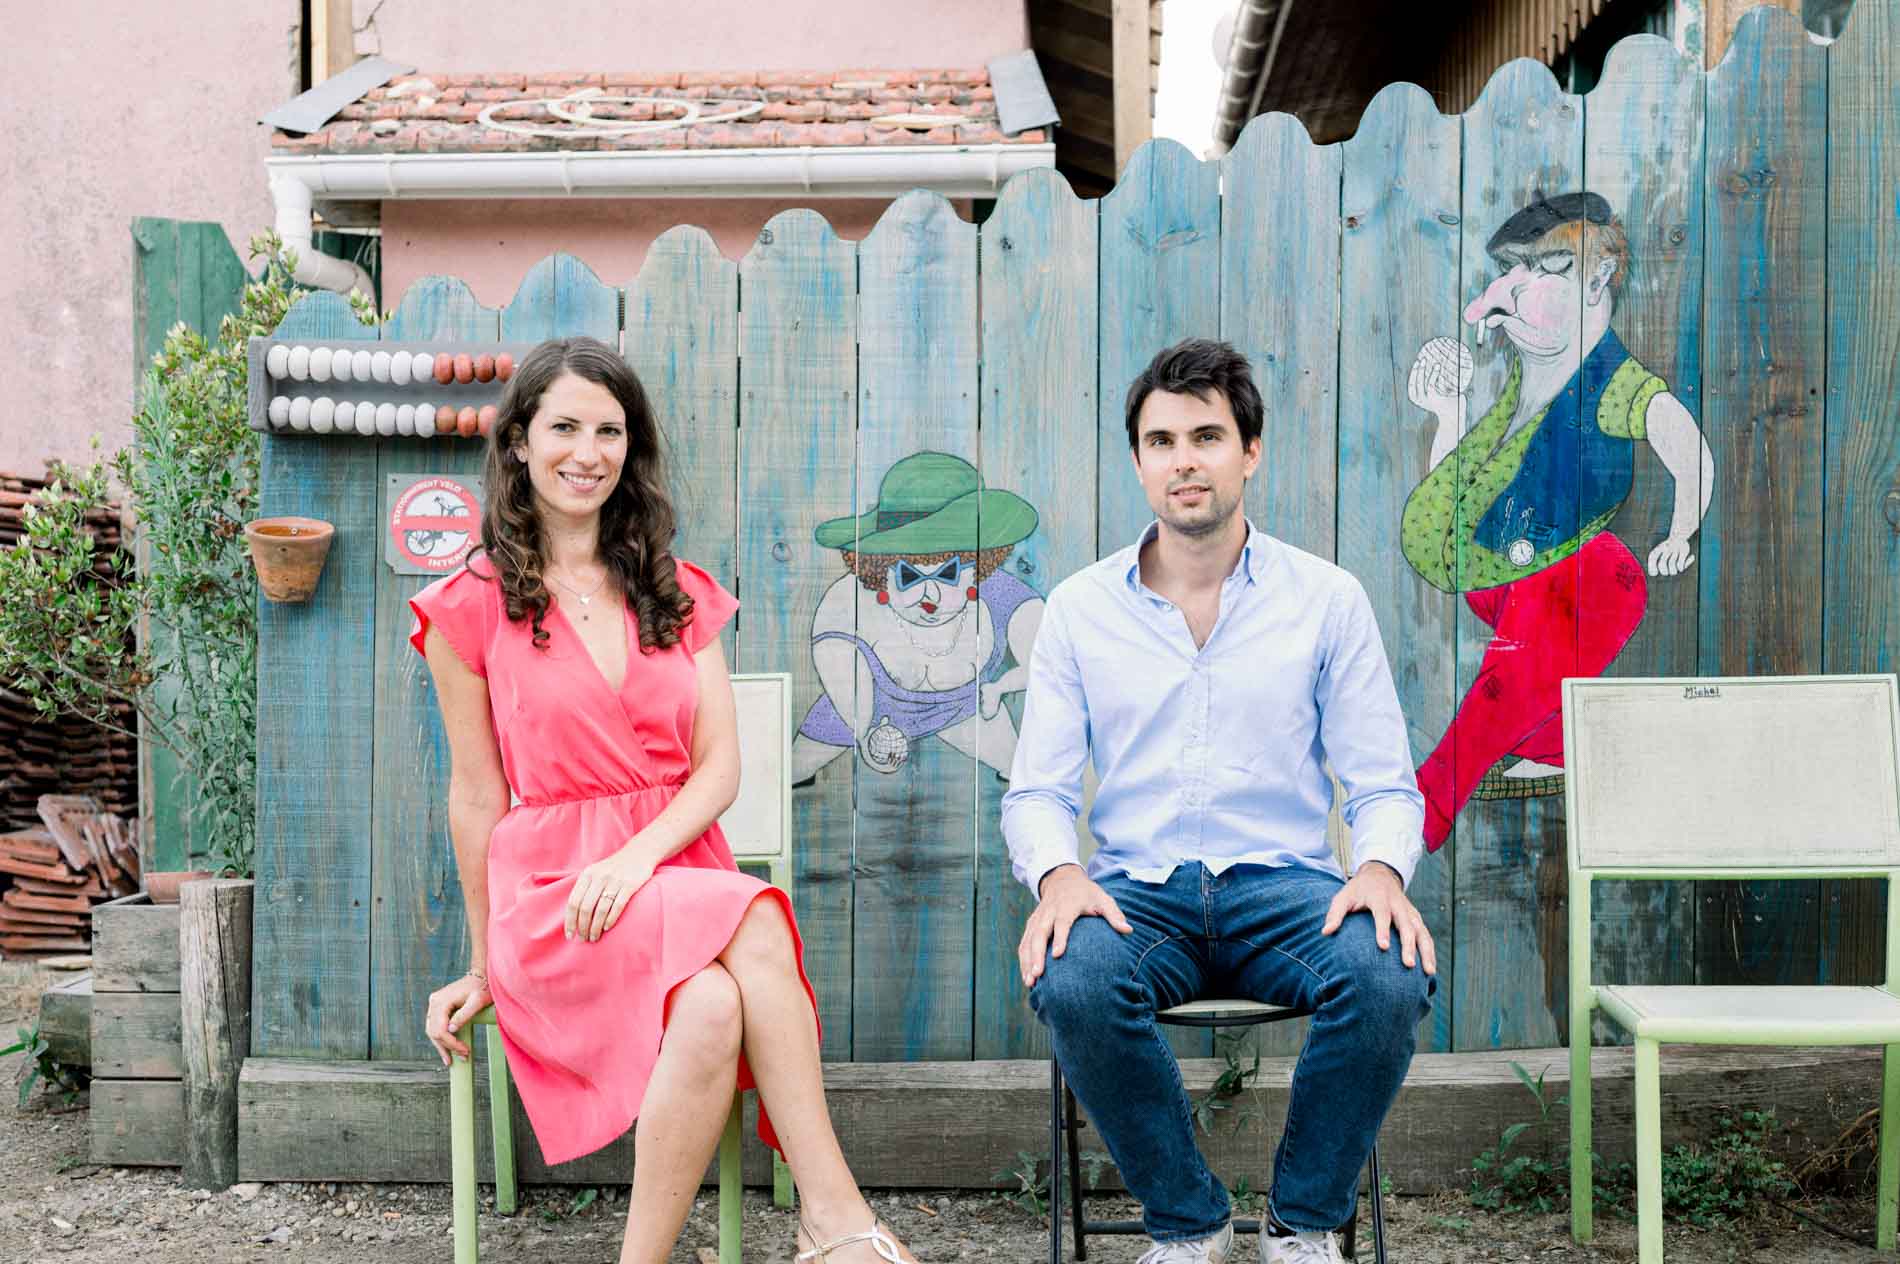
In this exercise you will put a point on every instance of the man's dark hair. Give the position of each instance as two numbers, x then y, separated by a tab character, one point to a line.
1197	367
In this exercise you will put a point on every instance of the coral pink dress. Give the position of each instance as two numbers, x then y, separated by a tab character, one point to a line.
590	767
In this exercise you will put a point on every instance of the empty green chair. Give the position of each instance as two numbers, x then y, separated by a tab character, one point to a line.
1728	778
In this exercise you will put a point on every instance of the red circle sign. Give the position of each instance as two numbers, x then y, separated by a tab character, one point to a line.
434	523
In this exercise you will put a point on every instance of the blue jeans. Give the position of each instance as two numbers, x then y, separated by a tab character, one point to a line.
1252	933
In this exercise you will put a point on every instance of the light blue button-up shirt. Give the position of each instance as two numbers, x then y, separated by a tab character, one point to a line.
1218	753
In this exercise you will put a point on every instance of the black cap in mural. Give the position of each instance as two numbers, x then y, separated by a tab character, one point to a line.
1544	214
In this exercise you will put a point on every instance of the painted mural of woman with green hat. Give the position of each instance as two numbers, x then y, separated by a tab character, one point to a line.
914	640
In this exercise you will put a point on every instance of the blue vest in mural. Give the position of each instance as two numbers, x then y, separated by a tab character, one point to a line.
1572	472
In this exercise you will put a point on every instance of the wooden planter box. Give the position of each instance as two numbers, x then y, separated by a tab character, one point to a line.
138	1055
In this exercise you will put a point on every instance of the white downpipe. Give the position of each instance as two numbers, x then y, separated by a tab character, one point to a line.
292	198
809	171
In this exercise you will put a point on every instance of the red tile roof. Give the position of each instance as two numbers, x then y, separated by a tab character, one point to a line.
442	113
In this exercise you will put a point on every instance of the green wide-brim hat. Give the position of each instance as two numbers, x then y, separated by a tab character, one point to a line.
933	502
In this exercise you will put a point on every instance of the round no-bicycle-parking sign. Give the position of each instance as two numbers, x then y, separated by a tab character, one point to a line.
434	519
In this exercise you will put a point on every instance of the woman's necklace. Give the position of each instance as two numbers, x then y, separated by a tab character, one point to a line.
585	598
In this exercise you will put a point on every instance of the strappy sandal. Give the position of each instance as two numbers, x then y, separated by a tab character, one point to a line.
877	1235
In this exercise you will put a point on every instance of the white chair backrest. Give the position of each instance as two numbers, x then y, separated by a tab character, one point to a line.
758	825
1746	774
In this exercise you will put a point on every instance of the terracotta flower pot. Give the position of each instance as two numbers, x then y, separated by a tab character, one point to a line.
163	887
288	554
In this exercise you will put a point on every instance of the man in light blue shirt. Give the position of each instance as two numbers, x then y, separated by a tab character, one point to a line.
1215	675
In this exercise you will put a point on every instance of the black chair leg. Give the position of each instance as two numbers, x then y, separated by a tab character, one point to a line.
1378	1210
1055	1162
1076	1210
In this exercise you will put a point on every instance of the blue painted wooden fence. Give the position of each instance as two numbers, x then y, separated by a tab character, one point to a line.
1762	206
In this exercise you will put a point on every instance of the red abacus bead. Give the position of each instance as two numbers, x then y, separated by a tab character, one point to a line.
485	419
464	369
504	366
466	420
444	369
484	367
445	420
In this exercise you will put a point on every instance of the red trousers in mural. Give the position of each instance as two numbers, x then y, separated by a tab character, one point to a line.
1570	619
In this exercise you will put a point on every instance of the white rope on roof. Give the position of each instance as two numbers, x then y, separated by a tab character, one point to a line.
576	110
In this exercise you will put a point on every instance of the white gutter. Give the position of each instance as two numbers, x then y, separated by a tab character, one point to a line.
326	272
812	171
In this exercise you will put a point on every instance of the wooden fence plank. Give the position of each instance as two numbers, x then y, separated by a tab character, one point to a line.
1643	132
1400	283
1764	343
315	731
798	412
183	270
418	927
1523	135
1039	316
1861	586
1280	305
682	338
914	925
1159	283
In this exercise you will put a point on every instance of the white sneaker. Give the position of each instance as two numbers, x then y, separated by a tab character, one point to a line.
1301	1248
1213	1249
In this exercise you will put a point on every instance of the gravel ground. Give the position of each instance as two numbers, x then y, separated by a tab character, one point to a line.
54	1206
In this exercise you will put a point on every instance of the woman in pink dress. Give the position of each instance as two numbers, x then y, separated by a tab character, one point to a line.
636	973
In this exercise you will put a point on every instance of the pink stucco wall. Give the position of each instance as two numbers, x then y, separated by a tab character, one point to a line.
491	245
635	35
117	110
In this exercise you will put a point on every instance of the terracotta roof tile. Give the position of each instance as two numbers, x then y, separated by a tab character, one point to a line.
441	113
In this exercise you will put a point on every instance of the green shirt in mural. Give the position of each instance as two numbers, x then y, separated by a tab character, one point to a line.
1440	528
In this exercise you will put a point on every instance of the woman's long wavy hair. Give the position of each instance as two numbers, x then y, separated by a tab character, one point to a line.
636	523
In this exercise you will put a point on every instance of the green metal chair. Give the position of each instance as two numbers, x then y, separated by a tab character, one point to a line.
1729	778
758	829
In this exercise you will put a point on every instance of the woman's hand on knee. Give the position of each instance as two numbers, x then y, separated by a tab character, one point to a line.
450	1008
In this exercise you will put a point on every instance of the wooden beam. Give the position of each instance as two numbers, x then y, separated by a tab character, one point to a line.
332	39
214	941
957	1124
135	946
66	1020
137	1036
1133	126
137	1123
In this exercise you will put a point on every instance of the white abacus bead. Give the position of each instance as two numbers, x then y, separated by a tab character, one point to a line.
360	365
340	366
399	368
277	360
320	364
298	363
345	416
322	413
425	421
379	366
405	419
422	368
300	413
365	417
385	419
279	410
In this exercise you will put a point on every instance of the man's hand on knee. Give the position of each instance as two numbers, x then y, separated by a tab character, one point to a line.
1066	894
1376	889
